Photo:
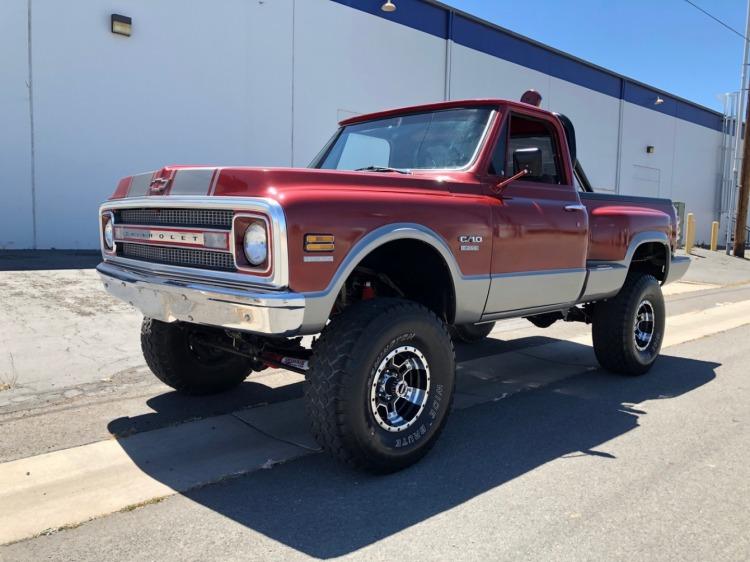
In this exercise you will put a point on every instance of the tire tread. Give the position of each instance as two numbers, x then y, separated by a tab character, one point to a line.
324	388
611	327
162	352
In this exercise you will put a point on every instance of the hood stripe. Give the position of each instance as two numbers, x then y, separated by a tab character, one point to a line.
193	181
140	184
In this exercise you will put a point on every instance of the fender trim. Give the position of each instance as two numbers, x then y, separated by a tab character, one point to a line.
470	291
606	278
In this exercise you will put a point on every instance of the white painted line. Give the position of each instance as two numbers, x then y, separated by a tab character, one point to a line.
74	485
698	324
682	287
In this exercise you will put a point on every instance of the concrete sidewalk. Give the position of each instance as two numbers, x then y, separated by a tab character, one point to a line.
716	268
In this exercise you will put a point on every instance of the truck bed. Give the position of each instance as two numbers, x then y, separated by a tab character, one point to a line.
613	220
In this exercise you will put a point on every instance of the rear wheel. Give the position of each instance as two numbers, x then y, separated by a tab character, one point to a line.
471	333
179	357
380	384
628	330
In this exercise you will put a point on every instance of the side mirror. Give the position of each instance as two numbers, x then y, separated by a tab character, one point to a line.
529	159
526	161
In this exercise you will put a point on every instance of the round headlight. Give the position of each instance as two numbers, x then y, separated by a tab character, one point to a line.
255	244
109	235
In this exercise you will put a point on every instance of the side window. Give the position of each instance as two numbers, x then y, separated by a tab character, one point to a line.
532	146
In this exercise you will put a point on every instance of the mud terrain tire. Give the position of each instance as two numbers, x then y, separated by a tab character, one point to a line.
380	384
628	329
191	369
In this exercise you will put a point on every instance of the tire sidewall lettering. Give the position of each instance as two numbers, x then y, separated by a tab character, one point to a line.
649	354
434	410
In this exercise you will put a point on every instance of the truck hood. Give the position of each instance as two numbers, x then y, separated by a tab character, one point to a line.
273	182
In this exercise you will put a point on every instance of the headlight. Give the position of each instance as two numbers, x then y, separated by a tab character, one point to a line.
109	235
255	244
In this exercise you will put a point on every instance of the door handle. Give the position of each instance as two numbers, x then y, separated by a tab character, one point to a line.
572	208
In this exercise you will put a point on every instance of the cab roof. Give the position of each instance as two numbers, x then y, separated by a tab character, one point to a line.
437	106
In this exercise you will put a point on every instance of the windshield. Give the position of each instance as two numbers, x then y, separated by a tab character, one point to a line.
446	139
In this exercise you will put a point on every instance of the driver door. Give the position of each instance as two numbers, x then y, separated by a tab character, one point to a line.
540	227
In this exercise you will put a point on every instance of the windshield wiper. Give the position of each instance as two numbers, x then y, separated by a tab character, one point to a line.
381	169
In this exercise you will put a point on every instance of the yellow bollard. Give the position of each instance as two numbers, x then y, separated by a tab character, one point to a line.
714	235
689	233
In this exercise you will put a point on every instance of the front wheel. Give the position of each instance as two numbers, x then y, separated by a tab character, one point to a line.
628	330
380	384
179	357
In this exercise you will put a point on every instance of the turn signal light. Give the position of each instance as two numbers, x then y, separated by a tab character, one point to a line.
319	242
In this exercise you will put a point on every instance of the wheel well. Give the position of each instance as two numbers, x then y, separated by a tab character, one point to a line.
408	268
651	257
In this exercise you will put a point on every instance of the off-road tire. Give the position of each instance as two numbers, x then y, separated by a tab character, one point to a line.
471	333
344	366
167	350
613	330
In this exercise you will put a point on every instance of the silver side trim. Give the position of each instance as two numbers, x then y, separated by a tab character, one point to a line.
604	280
471	291
278	278
169	300
532	289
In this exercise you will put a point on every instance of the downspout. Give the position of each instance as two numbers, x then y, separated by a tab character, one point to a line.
448	56
618	164
294	32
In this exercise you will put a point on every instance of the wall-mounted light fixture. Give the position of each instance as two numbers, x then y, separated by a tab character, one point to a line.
650	149
658	101
121	25
388	6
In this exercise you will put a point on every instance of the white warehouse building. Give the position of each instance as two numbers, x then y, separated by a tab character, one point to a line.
264	82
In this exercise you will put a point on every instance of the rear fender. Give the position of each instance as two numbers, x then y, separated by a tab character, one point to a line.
606	278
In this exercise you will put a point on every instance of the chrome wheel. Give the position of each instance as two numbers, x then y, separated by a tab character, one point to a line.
400	389
643	327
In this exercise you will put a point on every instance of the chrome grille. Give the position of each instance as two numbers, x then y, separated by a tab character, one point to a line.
204	259
211	218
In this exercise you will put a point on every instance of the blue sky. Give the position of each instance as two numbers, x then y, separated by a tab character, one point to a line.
664	43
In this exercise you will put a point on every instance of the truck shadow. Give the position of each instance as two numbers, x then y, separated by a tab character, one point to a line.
321	509
172	408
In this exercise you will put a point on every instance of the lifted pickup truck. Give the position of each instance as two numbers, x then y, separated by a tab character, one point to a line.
412	228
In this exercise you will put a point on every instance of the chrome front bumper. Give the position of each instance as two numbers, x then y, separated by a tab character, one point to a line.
253	310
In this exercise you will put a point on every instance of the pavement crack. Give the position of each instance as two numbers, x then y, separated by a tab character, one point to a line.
557	361
269	435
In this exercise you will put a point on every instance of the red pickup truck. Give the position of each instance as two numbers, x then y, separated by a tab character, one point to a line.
411	228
